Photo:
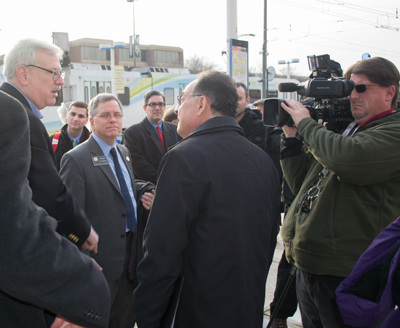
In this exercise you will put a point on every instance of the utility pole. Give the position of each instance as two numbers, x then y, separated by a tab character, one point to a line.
265	53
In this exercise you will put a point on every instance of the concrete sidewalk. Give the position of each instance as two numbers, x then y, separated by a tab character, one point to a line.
293	322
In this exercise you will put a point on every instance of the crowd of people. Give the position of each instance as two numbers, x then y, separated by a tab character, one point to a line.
97	233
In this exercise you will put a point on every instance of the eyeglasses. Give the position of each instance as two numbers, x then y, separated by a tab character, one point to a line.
107	116
154	105
56	74
180	98
360	88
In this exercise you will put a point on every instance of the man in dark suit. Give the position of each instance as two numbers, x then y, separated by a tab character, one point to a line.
99	174
149	140
213	216
41	273
33	73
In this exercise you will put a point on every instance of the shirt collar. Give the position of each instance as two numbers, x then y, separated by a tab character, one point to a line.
35	110
78	138
377	117
155	125
105	147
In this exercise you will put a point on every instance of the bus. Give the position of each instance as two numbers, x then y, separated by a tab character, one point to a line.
84	81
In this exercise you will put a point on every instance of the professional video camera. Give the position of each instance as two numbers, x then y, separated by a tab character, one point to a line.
327	101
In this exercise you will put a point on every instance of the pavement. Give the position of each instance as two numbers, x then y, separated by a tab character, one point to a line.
293	322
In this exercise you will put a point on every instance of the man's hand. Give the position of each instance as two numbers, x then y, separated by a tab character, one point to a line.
91	243
60	322
296	110
147	199
290	131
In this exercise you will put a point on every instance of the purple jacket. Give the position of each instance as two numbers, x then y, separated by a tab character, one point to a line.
365	297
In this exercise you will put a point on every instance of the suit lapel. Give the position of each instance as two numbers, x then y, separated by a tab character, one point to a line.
154	136
128	165
167	136
95	150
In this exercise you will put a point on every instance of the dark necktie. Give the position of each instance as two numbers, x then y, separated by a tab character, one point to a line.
161	137
130	210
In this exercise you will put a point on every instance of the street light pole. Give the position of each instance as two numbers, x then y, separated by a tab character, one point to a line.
134	35
264	66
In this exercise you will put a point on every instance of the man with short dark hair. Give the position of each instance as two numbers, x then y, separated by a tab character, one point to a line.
149	140
170	116
253	128
215	228
99	174
346	186
34	77
73	132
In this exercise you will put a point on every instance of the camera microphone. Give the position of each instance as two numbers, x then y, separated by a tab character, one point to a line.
287	87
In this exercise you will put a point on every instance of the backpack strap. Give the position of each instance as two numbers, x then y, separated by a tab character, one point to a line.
56	137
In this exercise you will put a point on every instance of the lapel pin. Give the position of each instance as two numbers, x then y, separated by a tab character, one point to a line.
127	158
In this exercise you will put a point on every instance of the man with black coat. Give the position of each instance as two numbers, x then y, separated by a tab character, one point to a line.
34	77
149	140
216	202
73	133
253	127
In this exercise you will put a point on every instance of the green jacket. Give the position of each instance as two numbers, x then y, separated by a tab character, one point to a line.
358	198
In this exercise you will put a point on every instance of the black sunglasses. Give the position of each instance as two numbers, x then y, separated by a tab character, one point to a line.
360	88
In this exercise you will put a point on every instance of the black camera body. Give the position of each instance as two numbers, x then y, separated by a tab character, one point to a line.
327	98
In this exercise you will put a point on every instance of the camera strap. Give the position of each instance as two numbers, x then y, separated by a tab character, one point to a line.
352	125
314	190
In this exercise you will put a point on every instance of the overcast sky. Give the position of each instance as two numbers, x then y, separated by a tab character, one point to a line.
343	29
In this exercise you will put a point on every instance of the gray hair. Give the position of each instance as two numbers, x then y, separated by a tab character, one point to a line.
24	53
100	98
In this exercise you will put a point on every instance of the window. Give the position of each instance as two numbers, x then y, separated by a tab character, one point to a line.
86	92
94	53
143	55
169	96
161	56
254	95
124	98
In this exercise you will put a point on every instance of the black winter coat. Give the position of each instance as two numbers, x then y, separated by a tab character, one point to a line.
65	143
216	203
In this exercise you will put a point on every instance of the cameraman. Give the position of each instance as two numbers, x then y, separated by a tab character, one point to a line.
347	188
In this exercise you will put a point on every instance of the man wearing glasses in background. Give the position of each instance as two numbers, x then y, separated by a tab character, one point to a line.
347	188
149	140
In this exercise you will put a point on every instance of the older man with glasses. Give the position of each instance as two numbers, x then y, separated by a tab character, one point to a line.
346	185
149	140
34	77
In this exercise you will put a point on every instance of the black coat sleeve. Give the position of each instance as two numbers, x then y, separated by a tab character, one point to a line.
48	189
40	270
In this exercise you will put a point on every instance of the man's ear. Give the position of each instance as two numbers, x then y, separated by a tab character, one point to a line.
390	93
22	74
202	106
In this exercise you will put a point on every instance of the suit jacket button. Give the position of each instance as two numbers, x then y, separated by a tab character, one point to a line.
122	236
123	215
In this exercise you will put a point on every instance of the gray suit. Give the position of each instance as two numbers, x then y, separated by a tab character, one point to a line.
40	270
88	175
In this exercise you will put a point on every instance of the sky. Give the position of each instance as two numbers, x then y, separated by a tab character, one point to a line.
296	28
